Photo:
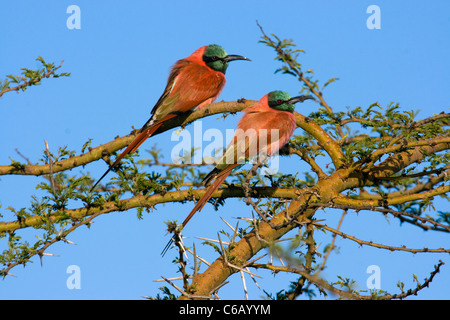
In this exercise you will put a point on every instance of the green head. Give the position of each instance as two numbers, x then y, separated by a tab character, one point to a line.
217	59
282	101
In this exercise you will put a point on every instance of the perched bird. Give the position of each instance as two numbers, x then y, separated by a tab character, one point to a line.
193	82
265	127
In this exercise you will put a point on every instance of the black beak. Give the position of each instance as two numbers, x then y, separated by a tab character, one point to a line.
233	57
299	99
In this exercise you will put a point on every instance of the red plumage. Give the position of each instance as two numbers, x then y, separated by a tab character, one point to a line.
191	83
248	142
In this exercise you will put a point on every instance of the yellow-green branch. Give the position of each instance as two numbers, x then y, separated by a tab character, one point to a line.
142	201
119	143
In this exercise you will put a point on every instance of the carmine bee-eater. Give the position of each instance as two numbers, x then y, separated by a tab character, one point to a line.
265	127
193	82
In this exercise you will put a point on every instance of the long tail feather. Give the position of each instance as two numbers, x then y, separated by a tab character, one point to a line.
143	135
219	179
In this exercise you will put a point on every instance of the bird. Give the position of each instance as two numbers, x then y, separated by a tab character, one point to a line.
264	128
193	82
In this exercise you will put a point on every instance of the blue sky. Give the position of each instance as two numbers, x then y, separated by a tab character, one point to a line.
119	62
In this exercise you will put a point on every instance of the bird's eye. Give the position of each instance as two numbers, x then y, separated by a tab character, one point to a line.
279	101
214	58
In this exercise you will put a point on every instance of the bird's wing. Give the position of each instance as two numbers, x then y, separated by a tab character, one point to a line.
189	85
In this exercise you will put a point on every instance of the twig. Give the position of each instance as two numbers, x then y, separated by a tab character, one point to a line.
398	214
415	175
50	162
60	236
184	293
199	258
195	262
287	59
224	255
26	159
216	289
31	82
322	266
244	285
420	286
377	245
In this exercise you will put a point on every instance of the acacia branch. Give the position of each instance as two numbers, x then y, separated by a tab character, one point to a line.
295	68
342	202
352	295
121	142
394	200
60	237
243	250
416	143
378	245
329	145
297	213
401	160
31	82
312	163
288	59
419	287
415	175
397	125
323	138
267	233
312	278
416	189
357	177
142	201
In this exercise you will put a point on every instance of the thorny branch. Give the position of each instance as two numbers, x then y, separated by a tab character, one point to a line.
301	200
32	81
